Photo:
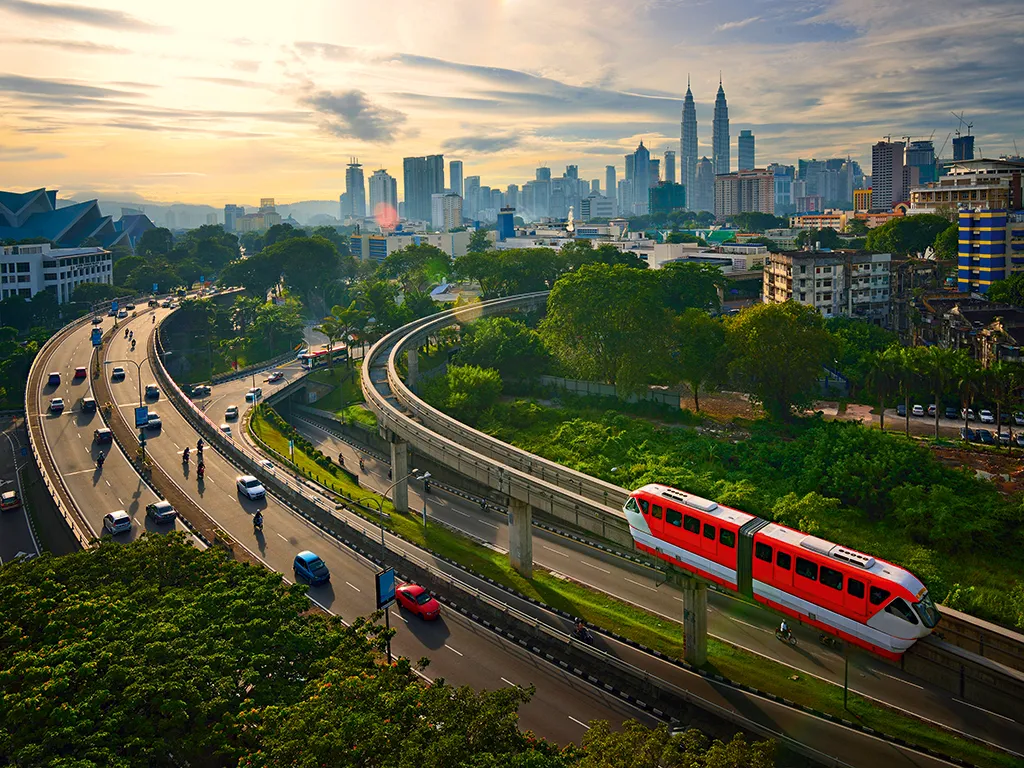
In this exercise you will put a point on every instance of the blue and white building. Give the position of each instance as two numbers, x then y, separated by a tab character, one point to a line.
991	247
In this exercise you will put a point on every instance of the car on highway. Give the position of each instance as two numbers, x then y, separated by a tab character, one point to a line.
415	598
275	377
80	372
152	390
250	487
53	380
102	436
201	390
917	410
112	312
88	405
154	422
231	412
267	465
161	512
153	303
129	306
57	405
310	568
117	374
165	304
97	320
253	394
226	429
117	522
122	314
987	417
9	500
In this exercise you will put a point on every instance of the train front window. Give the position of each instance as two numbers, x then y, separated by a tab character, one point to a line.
899	607
631	506
926	610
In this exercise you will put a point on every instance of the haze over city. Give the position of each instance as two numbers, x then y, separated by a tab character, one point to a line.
203	103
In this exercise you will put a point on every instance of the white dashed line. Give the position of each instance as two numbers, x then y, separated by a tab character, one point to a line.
557	552
357	589
119	501
986	711
514	685
900	680
484	522
754	626
579	722
108	484
398	616
453	650
282	538
645	586
595	567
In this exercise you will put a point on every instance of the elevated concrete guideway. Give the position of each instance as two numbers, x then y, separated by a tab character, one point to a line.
527	481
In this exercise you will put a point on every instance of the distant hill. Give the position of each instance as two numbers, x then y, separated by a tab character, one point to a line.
187	216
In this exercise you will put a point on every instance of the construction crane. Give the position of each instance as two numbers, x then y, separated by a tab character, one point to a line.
959	130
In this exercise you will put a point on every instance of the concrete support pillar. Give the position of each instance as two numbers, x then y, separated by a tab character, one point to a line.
413	364
399	470
520	537
695	622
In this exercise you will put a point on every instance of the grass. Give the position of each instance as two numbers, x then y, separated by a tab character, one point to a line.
640	625
346	399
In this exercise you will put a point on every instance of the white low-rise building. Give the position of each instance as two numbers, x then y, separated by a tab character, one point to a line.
25	270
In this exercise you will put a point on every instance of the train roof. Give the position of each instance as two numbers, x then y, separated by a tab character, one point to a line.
708	507
872	565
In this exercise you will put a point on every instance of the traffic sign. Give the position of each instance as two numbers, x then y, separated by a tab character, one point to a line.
142	416
156	288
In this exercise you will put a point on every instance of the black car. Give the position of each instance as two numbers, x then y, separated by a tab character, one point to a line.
88	405
985	436
901	410
102	436
952	413
968	434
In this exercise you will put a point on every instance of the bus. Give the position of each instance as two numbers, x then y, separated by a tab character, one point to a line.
310	359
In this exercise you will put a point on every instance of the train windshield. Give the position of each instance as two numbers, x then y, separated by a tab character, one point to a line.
926	610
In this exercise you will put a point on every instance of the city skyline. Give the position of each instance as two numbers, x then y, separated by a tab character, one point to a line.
198	104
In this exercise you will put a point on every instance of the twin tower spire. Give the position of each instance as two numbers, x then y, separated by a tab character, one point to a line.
720	159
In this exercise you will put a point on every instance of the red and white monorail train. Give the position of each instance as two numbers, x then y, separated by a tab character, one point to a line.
863	600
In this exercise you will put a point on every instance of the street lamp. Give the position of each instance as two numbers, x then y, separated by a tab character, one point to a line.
380	505
137	364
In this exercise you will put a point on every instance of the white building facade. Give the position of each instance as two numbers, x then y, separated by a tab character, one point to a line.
25	270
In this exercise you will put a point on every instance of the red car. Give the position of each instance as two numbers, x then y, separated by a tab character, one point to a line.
418	600
80	372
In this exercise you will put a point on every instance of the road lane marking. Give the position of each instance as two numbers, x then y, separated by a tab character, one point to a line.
901	680
282	538
453	650
119	501
79	472
754	626
986	711
514	685
578	722
484	522
595	567
357	589
645	586
398	616
557	552
108	483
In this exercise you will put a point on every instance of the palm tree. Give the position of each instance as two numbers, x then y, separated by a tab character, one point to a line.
939	366
906	362
968	383
883	378
1003	383
333	330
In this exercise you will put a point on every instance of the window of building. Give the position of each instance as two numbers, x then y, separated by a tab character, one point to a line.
656	512
673	516
24	266
831	578
49	275
26	292
728	538
691	524
855	588
783	560
24	278
3	268
877	595
807	569
763	552
709	531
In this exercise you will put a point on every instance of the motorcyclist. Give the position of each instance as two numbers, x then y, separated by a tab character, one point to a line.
784	630
199	445
100	459
133	345
341	460
154	319
126	333
362	464
200	470
257	520
581	630
185	454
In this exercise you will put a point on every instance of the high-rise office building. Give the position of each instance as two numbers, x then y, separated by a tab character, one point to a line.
455	177
963	147
497	200
745	151
641	179
609	181
720	150
471	201
887	175
669	167
355	190
383	195
512	196
424	176
445	211
543	174
654	175
919	163
231	214
572	172
595	186
688	145
703	198
744	192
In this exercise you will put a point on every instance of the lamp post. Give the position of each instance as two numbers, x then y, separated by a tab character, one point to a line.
380	505
137	364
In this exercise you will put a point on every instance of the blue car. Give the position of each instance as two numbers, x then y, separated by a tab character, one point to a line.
311	569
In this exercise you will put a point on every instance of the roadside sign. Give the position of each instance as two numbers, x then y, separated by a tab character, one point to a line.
202	279
291	449
385	582
142	416
113	305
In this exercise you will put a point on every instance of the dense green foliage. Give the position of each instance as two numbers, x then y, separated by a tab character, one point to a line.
824	238
506	345
758	222
907	235
468	392
856	342
1008	291
170	263
699	356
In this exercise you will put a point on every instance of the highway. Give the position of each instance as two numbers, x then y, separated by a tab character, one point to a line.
735	621
16	536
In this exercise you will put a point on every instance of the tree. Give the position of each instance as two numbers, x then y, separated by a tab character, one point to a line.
856	227
968	384
635	746
1003	381
826	237
907	235
280	232
124	267
155	242
309	265
858	341
331	233
946	245
688	285
938	366
1008	291
758	222
517	270
471	391
698	358
608	323
506	345
684	237
778	352
276	327
416	267
911	370
90	293
479	242
883	370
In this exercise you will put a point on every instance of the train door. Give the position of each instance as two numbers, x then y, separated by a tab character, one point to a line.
855	598
747	566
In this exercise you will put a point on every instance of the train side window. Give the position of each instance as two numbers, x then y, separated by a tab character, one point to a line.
691	524
763	552
673	516
899	607
709	531
807	569
656	512
644	505
855	588
831	578
877	595
783	560
728	538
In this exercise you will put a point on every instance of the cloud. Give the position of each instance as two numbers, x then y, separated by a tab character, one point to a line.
736	24
43	88
83	46
234	82
26	155
480	144
95	17
351	115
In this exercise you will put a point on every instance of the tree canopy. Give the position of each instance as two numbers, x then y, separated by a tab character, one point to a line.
754	221
506	345
907	235
1008	291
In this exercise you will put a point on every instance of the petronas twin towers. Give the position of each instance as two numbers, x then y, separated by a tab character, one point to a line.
696	189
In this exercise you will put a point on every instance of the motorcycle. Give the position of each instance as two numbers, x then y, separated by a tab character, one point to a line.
785	637
184	456
133	345
830	642
362	465
583	634
99	461
257	524
201	471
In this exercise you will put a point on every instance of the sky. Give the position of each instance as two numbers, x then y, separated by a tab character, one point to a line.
226	102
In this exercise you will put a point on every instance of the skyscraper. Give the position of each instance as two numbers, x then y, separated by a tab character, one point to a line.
669	167
424	176
383	194
610	186
688	146
355	190
231	214
455	177
512	196
641	179
472	199
887	174
543	174
595	186
703	198
745	145
720	133
654	175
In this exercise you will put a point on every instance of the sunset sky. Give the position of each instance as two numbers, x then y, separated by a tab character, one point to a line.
222	101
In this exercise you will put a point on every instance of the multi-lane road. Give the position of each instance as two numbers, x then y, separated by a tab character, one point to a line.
460	650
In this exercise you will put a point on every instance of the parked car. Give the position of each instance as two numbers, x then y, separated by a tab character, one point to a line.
102	436
1019	439
226	429
987	417
1004	418
310	568
9	500
88	405
57	405
1018	419
161	512
901	410
968	434
275	377
231	412
250	487
967	413
152	390
253	394
117	374
117	522
1004	438
986	437
54	379
931	410
951	412
415	598
917	410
